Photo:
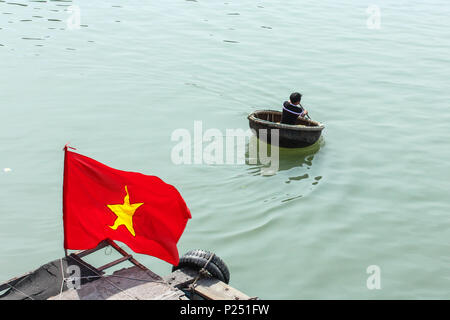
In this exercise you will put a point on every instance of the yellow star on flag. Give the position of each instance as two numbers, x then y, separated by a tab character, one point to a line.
124	213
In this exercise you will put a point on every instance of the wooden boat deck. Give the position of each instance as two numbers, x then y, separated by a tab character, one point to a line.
52	281
126	284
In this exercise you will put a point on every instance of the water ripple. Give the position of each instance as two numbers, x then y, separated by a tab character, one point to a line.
17	4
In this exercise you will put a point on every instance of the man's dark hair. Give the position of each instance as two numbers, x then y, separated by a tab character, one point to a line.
295	97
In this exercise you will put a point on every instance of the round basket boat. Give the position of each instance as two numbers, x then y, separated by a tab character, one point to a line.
299	135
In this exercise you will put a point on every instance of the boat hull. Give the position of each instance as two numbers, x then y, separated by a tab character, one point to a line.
303	134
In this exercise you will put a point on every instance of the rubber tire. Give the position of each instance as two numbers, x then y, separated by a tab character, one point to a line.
196	259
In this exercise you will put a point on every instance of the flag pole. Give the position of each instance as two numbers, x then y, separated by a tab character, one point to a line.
64	175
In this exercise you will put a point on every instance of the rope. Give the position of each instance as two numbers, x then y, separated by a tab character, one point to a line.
122	277
63	279
12	287
112	283
62	283
201	273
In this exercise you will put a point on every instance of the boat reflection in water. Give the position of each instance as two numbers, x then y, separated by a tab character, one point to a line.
269	159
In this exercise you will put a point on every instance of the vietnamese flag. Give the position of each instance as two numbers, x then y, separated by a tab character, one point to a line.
100	203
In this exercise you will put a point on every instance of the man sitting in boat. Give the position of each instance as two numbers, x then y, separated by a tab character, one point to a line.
292	109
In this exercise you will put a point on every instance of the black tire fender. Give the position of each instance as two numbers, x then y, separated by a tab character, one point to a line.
197	259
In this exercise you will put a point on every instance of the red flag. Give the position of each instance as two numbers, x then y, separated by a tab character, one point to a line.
100	203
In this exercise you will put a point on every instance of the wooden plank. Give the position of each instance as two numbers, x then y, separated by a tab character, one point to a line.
80	261
109	242
12	282
213	289
84	253
113	263
126	284
181	278
124	253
